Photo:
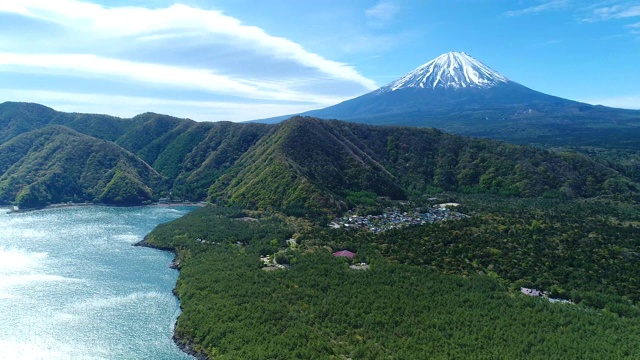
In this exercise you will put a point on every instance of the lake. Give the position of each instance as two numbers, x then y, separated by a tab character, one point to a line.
72	286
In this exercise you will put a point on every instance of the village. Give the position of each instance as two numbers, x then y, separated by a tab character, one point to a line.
393	218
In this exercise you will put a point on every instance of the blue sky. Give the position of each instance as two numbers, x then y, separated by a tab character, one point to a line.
248	59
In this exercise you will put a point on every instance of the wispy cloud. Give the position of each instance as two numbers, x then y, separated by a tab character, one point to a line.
621	11
382	12
635	28
168	76
179	46
129	106
547	6
177	21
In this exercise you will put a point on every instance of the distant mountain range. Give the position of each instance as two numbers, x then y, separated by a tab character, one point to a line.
302	165
457	93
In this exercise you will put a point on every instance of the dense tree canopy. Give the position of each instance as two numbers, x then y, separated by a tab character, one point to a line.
555	220
303	166
404	306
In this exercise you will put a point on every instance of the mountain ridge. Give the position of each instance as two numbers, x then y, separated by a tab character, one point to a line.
301	166
459	94
341	158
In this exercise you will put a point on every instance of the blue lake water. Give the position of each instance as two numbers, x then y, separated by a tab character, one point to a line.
73	287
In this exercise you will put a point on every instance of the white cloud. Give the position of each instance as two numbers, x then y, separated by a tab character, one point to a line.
547	6
382	12
635	28
169	76
176	21
177	47
622	10
129	106
16	8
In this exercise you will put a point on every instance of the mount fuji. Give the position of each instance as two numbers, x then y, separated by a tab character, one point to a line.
453	70
457	93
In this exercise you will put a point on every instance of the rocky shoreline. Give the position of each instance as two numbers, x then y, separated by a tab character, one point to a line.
186	348
184	345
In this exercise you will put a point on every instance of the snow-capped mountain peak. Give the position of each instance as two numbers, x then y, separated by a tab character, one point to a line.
450	70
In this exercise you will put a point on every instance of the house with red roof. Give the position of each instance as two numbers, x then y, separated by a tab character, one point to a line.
344	253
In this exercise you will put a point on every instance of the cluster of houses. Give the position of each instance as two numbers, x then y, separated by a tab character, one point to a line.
393	218
543	294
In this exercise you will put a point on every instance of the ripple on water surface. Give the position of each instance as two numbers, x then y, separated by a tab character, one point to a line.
73	287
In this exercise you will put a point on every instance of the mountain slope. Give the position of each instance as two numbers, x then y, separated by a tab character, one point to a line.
18	118
453	84
266	177
190	155
197	158
457	93
316	164
56	164
303	165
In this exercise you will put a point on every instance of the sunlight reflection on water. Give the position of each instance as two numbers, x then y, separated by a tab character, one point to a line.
73	287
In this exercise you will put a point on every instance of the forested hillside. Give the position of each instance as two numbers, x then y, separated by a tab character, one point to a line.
186	155
56	164
300	166
301	157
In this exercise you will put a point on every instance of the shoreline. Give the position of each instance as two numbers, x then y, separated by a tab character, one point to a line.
183	345
13	209
151	215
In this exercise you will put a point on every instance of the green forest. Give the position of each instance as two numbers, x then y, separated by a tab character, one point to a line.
448	290
302	166
257	276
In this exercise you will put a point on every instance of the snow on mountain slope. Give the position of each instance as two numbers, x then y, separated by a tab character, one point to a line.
450	70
